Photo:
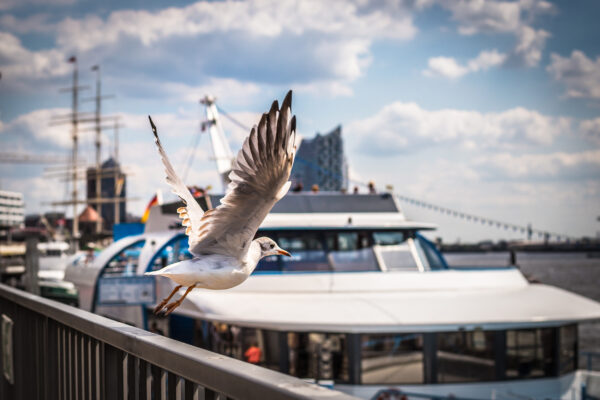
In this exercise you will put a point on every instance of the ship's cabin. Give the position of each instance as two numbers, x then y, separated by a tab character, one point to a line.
402	358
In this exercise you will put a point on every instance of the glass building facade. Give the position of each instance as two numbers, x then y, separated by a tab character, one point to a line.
320	161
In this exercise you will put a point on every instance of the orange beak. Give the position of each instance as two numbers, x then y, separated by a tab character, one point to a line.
284	253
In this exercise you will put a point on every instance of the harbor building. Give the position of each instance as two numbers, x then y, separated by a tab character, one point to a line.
12	209
113	185
321	161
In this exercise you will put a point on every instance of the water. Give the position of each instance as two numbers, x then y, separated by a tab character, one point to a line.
575	272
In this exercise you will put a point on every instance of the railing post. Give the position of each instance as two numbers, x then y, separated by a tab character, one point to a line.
113	373
32	264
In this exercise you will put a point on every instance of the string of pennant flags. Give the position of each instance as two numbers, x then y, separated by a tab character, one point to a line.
485	220
467	217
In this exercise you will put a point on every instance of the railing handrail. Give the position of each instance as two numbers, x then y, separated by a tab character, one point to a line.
229	376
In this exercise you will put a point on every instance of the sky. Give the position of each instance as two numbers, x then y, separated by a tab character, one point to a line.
486	107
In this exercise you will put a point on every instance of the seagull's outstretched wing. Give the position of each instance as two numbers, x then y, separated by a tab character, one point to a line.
259	178
192	212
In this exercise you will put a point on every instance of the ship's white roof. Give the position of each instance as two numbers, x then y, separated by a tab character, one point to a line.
312	211
392	302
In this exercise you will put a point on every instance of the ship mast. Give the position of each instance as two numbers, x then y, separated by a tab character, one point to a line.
221	150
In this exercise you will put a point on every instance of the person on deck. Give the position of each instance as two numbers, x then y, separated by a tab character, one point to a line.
253	354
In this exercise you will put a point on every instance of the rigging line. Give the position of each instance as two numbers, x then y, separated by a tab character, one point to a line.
235	121
192	154
184	162
454	213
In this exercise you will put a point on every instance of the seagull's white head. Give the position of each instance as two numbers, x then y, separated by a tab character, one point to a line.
268	247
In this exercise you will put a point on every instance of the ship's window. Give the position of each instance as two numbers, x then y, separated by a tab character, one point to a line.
306	250
568	349
392	359
355	261
246	344
125	262
388	238
428	250
347	241
319	356
397	257
465	356
529	353
174	251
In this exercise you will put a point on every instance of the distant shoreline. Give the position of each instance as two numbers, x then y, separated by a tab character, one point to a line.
592	248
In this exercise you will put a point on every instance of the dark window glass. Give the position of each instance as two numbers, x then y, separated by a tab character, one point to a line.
255	346
347	241
465	356
319	356
125	263
307	252
321	251
568	349
432	257
388	238
530	353
392	358
174	251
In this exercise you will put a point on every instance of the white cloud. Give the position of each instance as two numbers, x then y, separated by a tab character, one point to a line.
448	67
265	18
487	16
530	43
33	23
502	17
579	74
559	164
400	127
19	63
320	47
226	90
34	129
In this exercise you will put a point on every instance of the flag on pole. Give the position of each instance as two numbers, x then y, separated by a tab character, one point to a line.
119	186
151	204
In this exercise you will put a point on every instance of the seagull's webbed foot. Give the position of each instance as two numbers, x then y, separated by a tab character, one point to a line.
159	307
172	306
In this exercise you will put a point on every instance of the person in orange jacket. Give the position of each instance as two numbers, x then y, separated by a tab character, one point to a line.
253	354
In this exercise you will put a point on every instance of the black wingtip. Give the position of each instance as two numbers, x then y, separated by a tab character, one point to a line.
153	127
274	107
263	120
287	101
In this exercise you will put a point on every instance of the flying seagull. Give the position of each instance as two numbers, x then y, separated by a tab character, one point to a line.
221	239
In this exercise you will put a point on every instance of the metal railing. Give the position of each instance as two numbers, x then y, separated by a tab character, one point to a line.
61	352
592	360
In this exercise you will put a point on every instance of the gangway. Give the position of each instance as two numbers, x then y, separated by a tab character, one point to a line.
53	351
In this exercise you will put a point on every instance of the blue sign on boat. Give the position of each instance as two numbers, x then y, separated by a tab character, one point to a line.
130	290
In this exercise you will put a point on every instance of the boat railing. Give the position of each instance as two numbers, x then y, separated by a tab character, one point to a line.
53	351
396	394
592	360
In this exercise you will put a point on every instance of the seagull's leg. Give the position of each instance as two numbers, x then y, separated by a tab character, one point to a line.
175	304
166	300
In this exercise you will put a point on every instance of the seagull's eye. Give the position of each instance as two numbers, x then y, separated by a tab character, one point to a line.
272	245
